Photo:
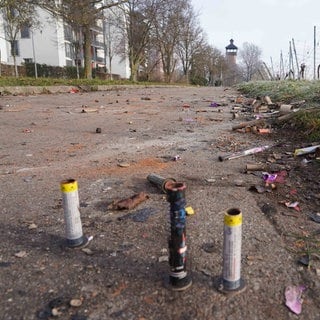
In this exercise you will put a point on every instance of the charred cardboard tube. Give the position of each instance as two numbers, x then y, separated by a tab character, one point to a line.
286	108
160	182
179	278
258	122
239	154
255	167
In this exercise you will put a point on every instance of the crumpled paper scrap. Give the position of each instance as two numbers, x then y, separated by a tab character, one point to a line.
294	299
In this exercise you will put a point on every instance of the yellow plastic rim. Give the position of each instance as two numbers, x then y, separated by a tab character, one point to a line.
69	185
233	218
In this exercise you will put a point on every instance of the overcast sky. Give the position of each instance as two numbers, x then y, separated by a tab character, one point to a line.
269	24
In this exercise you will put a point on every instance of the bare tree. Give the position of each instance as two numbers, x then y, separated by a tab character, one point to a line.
190	41
114	43
208	65
82	14
137	22
168	33
250	56
17	14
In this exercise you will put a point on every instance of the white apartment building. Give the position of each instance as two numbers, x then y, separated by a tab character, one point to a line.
52	44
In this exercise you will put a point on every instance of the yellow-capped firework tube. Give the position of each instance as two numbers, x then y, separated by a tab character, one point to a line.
70	200
179	278
231	275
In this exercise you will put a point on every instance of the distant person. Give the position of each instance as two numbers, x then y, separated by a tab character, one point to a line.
302	68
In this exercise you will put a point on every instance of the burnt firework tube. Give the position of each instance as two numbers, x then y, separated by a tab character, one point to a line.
71	204
231	275
160	182
178	276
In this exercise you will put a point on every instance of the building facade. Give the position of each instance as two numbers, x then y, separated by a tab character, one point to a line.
54	43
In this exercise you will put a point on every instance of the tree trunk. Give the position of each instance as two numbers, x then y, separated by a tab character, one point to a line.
87	53
134	72
110	66
16	72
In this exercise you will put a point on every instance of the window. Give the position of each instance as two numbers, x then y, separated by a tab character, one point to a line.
25	32
28	60
69	63
68	35
15	48
69	50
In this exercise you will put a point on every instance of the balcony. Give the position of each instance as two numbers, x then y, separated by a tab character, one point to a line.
97	44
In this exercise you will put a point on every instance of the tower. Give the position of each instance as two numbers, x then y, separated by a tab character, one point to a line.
231	53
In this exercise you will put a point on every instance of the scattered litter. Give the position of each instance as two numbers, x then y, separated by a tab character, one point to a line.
159	181
243	153
123	164
20	254
293	295
214	104
32	226
264	130
259	189
286	108
269	177
293	205
307	150
6	171
28	179
255	167
98	130
27	130
88	110
163	259
249	124
129	203
176	158
304	260
314	216
305	161
189	211
267	100
142	215
74	90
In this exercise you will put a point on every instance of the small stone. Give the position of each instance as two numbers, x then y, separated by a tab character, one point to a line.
87	251
32	226
238	183
55	312
98	130
256	286
75	302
